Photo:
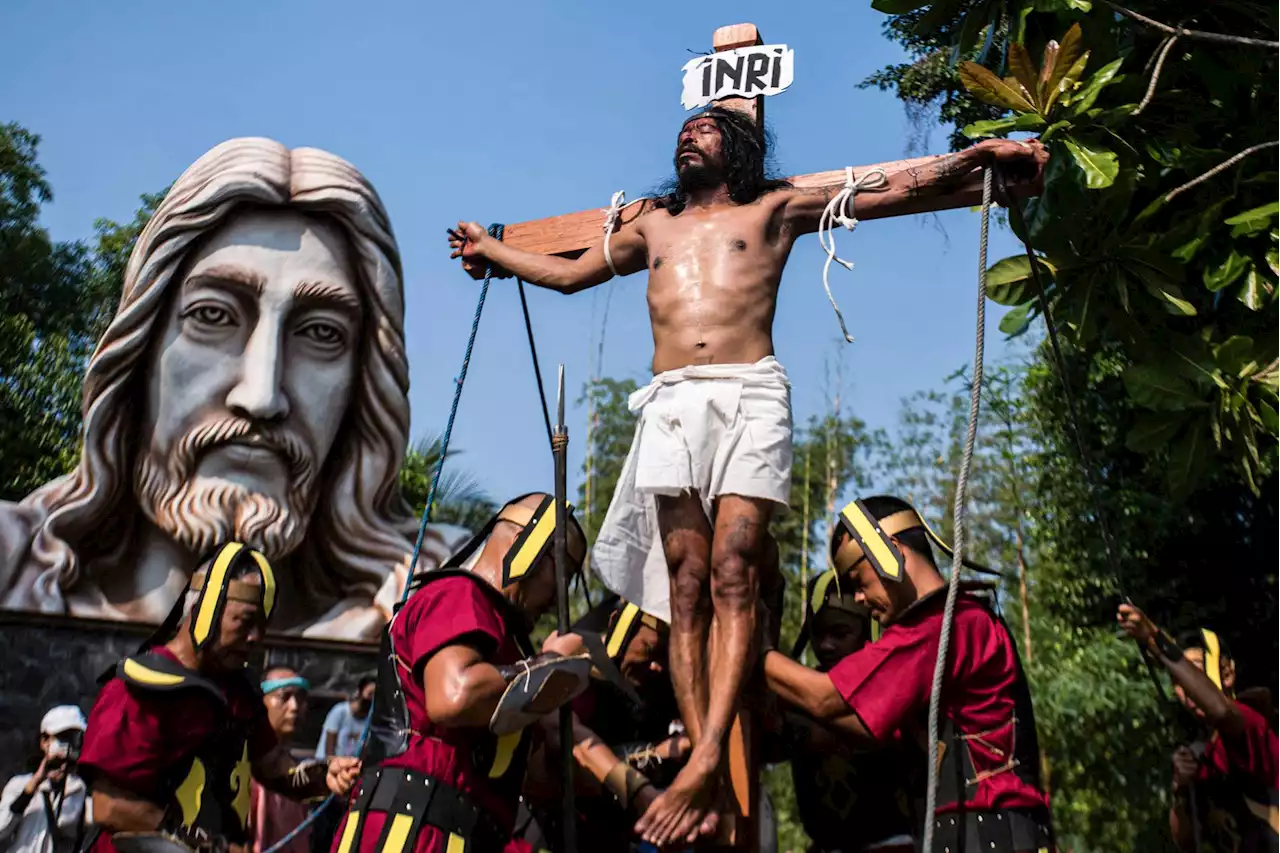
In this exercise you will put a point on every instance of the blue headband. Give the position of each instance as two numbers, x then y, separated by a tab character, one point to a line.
281	683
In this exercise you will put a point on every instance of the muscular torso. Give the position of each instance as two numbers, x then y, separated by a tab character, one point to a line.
713	281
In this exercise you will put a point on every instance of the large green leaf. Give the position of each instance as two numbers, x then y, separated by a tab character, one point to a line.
1170	295
898	7
1024	71
1221	275
1254	290
1154	430
1158	389
1009	280
1268	416
1083	98
1059	61
1001	126
1018	320
1099	165
1253	221
1068	82
1234	355
1189	457
987	87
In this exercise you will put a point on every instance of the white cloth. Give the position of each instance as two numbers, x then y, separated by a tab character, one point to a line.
717	429
31	830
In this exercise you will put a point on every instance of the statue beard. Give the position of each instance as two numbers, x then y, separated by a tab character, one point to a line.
199	513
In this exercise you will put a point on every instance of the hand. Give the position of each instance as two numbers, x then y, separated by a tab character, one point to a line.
1136	624
42	773
568	645
343	772
467	240
1185	767
1022	159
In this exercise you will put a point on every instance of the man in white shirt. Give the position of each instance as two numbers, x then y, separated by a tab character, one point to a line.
44	812
345	721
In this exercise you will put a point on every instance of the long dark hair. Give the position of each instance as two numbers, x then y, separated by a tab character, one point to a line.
745	148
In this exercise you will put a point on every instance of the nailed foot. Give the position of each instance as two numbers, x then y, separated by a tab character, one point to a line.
681	813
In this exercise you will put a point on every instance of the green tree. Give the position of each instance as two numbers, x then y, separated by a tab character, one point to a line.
57	298
459	497
44	338
1142	239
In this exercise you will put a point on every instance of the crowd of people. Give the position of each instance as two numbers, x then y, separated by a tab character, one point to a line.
455	744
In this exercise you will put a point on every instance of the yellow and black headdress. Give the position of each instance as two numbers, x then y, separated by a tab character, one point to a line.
219	583
616	621
1215	652
538	527
869	537
217	580
828	590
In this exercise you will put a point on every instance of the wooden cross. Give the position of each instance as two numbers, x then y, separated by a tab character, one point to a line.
571	234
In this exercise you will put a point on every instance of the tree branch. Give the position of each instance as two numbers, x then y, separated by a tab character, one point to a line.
1227	164
1192	34
1155	75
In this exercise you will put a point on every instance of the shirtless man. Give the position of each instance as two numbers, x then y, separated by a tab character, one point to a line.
712	454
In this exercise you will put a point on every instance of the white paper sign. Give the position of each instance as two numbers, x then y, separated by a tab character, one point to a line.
765	69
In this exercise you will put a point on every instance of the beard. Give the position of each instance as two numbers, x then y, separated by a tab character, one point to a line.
698	176
199	513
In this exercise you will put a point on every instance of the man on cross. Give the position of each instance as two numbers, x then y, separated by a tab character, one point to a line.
685	532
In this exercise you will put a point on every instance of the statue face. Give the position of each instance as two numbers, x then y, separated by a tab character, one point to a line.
250	382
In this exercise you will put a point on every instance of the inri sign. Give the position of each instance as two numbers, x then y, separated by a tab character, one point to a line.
743	73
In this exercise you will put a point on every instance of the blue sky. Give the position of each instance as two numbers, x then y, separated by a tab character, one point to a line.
504	111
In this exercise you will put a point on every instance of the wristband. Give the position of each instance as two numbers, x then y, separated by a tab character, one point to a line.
624	783
1165	645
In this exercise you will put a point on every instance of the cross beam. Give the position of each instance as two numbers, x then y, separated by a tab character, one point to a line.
571	234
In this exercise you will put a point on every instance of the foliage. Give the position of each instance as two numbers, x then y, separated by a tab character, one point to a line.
459	498
1184	282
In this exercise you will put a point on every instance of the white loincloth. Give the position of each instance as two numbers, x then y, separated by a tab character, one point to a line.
717	429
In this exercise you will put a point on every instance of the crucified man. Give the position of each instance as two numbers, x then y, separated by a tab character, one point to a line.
685	535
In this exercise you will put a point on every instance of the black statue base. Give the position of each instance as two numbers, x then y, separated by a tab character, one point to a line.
48	660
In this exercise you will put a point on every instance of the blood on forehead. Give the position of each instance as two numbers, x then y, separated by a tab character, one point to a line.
700	124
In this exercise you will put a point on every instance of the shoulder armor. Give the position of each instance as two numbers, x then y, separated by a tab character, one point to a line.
158	673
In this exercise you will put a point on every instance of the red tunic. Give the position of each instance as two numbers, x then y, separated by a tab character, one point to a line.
888	684
449	611
143	740
1235	771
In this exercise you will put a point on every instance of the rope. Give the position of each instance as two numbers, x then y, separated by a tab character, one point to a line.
617	204
533	351
832	216
958	517
496	232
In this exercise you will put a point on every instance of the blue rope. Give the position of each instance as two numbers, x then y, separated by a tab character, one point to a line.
495	231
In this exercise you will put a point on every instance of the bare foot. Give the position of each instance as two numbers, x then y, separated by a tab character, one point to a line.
680	813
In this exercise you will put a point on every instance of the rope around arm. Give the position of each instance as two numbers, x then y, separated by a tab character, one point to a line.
833	215
617	204
958	519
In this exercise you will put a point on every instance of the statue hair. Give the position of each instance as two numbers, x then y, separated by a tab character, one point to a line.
359	530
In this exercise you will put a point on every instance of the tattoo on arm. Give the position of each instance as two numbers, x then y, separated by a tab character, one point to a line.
946	169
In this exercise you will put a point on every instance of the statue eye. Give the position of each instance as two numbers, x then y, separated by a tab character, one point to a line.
208	314
324	334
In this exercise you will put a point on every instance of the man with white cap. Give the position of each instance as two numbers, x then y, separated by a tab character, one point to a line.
43	812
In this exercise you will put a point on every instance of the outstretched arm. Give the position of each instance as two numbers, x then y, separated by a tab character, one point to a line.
813	693
278	771
471	242
1219	711
804	207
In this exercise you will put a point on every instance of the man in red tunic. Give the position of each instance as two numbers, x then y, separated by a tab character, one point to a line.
179	730
444	771
1224	785
989	795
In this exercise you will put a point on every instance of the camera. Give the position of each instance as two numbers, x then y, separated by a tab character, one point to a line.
64	747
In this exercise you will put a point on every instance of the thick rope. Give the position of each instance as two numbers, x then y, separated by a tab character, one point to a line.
958	519
494	231
833	215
